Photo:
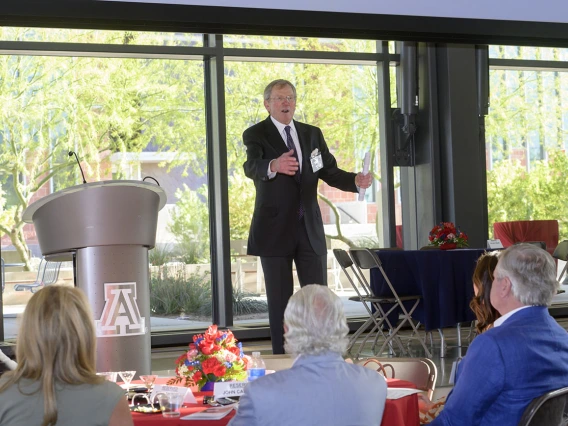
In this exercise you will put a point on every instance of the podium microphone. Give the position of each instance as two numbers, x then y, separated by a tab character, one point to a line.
73	153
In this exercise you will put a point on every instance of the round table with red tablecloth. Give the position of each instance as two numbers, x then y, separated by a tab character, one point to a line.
398	412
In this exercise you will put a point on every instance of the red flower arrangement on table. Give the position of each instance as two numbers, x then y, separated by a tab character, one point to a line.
446	236
214	356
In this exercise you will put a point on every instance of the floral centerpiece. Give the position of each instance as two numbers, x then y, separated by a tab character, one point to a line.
214	356
446	236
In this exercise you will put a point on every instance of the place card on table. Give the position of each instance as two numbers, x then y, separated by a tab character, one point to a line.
185	393
494	244
228	389
212	413
396	393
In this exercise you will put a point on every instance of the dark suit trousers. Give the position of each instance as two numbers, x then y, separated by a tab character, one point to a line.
311	268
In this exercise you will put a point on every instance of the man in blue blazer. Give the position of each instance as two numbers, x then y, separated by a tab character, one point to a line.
286	160
320	388
522	357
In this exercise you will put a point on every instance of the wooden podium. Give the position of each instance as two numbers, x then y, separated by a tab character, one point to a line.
109	227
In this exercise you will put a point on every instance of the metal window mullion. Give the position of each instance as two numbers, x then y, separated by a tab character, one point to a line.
113	50
217	175
303	54
386	147
527	64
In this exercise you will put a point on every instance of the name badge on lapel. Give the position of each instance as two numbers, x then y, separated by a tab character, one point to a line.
315	159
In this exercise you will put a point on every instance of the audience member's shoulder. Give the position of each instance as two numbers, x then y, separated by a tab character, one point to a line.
367	372
111	387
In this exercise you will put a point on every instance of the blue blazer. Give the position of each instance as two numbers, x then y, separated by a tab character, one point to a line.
506	368
317	390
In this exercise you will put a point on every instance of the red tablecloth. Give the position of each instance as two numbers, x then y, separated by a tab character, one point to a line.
527	230
398	412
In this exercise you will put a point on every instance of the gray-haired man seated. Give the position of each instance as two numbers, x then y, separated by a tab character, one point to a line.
320	388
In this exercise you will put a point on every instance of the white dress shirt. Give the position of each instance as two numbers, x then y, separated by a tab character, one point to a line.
502	319
295	138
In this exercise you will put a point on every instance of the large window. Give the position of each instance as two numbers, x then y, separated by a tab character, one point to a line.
126	119
526	135
131	106
342	101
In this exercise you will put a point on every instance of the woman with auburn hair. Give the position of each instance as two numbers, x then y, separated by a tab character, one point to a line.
55	381
482	280
485	315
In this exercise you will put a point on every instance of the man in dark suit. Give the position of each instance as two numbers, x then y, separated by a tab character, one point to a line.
286	159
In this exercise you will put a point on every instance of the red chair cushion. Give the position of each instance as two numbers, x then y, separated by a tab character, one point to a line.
527	230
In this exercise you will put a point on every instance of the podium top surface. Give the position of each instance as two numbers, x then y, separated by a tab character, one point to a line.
28	214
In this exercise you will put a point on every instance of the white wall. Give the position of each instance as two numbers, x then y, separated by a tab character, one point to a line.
513	10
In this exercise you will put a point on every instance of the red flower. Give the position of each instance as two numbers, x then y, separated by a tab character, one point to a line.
220	370
209	365
208	348
205	349
230	338
211	332
234	350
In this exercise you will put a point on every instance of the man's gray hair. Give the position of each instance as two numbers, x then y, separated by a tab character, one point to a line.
277	84
532	272
315	322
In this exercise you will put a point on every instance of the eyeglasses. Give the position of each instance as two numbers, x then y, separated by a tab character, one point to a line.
284	98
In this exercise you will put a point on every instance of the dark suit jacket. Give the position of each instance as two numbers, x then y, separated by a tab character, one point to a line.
505	368
277	200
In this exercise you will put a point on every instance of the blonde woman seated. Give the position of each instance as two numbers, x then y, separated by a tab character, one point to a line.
55	381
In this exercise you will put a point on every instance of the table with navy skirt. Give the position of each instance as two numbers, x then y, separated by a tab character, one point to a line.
442	277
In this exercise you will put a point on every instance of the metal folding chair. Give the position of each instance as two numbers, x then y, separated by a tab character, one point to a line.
365	296
561	253
368	259
550	409
47	273
420	371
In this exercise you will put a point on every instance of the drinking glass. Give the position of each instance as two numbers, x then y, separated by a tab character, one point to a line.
170	404
109	375
149	380
127	377
138	397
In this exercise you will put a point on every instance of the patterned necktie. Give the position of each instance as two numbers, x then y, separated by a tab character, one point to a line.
297	176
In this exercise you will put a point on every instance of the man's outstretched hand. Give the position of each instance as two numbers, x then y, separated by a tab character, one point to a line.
363	181
285	164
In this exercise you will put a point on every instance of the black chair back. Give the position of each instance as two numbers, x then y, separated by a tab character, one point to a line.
342	258
365	258
561	251
550	409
